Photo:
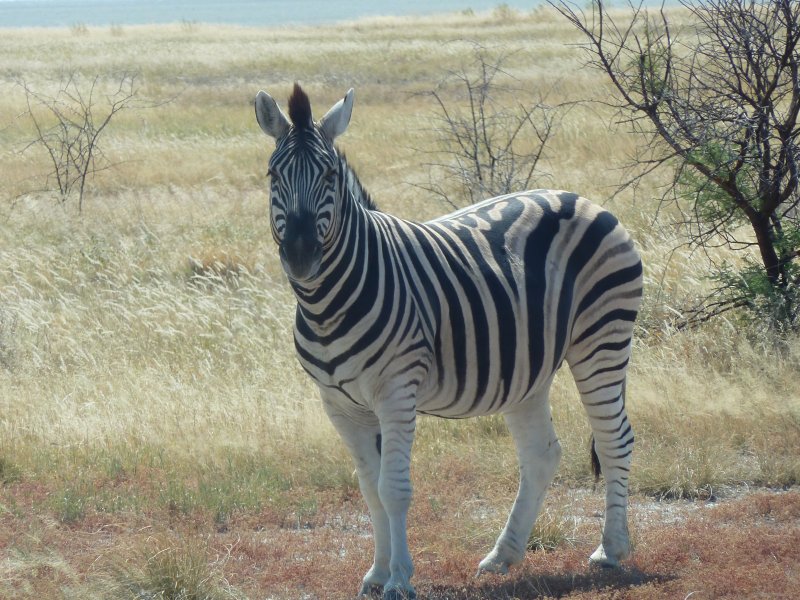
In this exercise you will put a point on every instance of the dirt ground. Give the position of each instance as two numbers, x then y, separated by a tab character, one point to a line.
742	545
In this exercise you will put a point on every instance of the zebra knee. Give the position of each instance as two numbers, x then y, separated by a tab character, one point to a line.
547	460
395	494
553	453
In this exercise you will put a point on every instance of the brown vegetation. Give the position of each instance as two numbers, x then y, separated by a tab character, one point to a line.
740	547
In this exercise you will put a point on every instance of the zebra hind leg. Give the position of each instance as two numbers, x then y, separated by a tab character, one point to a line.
602	390
539	452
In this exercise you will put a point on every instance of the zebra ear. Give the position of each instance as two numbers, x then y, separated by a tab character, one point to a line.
270	117
335	121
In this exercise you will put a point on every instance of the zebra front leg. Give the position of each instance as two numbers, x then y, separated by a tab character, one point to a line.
361	434
398	424
539	453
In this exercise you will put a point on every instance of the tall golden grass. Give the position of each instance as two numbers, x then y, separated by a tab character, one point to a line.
145	346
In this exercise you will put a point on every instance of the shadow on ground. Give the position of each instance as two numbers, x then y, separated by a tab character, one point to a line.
545	586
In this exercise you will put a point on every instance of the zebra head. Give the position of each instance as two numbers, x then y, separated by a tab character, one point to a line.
306	178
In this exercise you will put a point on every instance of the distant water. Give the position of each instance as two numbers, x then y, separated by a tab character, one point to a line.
66	13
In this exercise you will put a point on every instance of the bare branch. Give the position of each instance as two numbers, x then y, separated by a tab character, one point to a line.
493	142
719	103
77	124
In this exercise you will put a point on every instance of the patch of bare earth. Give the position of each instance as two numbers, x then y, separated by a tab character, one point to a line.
744	546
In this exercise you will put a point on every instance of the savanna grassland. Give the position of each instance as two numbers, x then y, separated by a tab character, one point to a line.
157	436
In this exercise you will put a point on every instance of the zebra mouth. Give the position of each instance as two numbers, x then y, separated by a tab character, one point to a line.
301	261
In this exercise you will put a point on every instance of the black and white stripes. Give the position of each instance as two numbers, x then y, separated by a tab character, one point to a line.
466	315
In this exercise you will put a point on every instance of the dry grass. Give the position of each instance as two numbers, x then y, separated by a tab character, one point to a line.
149	387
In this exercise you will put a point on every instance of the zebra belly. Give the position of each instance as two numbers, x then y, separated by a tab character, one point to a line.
493	388
360	392
362	380
465	407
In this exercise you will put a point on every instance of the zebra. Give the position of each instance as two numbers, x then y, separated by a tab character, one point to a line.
465	315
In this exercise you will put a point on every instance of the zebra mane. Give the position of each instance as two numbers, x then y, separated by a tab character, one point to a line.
354	185
300	108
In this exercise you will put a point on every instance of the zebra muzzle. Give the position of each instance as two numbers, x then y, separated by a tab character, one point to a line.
301	256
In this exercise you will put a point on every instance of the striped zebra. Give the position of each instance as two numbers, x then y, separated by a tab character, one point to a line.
469	314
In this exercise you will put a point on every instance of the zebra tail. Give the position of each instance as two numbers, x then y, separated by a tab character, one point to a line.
595	462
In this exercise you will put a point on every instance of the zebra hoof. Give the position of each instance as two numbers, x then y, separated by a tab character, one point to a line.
495	569
493	564
373	591
601	560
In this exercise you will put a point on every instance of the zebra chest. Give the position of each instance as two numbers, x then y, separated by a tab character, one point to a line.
345	386
334	365
355	372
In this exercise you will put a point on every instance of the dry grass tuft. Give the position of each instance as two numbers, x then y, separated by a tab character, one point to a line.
170	568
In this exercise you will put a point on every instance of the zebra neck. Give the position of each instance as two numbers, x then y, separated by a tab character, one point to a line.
350	274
